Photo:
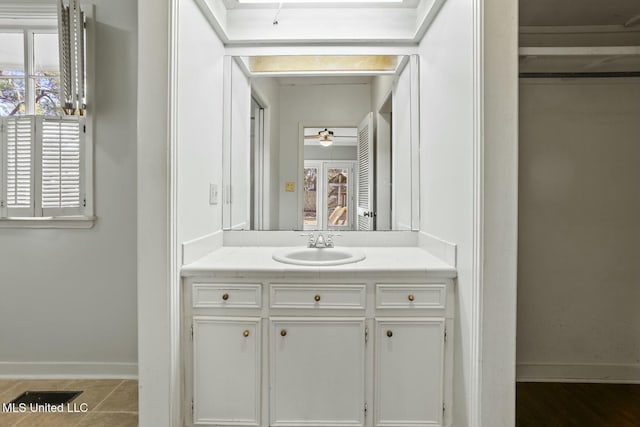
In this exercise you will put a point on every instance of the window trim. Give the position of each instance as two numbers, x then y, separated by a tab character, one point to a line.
77	221
43	18
35	16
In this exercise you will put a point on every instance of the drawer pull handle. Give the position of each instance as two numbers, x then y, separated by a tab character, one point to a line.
411	297
317	298
245	333
389	333
283	332
225	296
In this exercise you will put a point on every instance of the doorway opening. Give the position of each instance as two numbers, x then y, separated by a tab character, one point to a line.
257	161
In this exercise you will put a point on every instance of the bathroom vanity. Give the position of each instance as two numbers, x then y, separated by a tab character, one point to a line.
361	344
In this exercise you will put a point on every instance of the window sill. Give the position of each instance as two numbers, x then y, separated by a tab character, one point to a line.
49	222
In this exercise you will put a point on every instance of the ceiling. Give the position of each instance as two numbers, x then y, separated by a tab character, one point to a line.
320	21
577	12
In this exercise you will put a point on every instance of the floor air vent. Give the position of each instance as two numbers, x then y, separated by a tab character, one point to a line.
44	397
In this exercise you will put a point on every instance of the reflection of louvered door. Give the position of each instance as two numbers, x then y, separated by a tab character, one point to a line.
365	174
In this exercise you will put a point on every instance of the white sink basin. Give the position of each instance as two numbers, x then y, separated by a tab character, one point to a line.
318	256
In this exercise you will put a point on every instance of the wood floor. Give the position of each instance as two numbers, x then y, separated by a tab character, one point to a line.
577	405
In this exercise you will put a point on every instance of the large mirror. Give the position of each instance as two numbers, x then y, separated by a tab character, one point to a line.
321	143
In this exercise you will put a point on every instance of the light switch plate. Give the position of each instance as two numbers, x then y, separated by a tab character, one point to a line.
213	194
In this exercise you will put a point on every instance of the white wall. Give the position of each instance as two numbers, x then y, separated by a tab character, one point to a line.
401	163
240	149
198	163
446	169
318	152
499	209
156	373
313	105
353	24
68	301
579	229
468	175
200	68
380	88
188	150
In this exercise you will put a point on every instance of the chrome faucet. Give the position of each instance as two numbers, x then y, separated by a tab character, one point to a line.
319	241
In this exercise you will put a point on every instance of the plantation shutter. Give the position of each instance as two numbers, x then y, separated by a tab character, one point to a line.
62	165
18	165
71	39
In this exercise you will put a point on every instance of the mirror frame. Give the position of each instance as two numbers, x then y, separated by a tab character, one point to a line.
412	61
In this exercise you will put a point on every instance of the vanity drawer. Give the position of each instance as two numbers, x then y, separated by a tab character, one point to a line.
318	296
207	295
431	295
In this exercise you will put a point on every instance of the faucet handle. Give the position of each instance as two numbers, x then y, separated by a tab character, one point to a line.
329	238
311	237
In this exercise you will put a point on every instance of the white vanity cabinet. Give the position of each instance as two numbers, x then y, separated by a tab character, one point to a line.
223	357
363	351
227	366
317	371
410	354
409	371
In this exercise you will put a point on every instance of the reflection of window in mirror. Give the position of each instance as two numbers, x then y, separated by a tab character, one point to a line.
328	195
339	196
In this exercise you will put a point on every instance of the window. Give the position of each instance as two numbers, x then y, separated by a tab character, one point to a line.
29	73
45	156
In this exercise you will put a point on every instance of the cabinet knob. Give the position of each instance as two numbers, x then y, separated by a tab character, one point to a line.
389	333
283	332
245	333
225	296
411	297
317	298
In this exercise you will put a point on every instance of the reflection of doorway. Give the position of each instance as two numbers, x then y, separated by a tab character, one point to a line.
256	164
328	195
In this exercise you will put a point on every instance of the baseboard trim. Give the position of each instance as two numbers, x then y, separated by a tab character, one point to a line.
71	370
197	248
587	373
442	249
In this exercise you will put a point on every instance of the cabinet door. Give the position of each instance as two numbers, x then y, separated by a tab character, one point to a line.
317	372
226	374
409	360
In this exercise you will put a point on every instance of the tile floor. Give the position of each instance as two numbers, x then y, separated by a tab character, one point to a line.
110	403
